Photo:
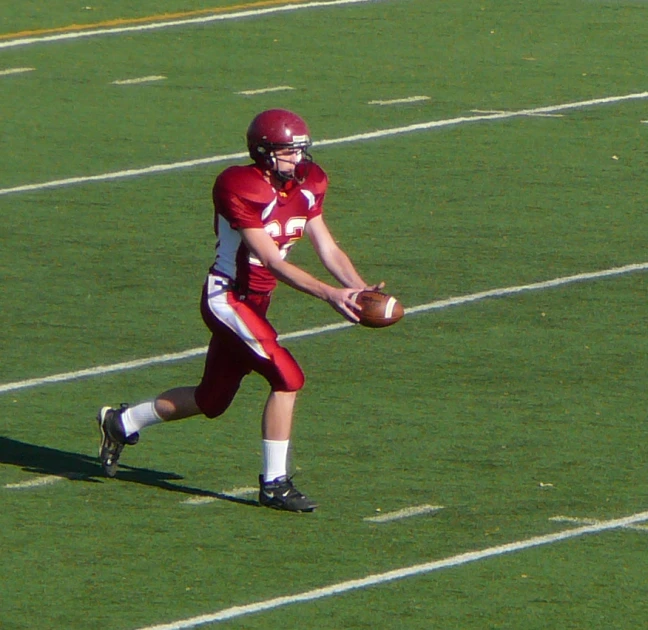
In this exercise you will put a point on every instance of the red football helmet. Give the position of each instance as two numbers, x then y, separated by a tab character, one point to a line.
276	129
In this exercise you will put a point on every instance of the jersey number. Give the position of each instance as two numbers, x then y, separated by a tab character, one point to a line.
293	229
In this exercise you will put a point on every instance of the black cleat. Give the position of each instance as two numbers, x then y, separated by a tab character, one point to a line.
113	438
280	494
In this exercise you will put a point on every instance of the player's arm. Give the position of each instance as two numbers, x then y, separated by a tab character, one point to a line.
336	261
262	247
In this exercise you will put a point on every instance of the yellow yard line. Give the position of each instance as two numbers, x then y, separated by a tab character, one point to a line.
148	19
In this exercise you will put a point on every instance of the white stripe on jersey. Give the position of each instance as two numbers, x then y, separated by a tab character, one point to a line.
224	312
267	211
228	244
229	241
310	196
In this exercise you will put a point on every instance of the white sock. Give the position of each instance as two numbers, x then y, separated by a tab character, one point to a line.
140	416
275	458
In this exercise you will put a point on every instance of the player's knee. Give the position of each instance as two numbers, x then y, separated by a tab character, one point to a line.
291	381
287	375
214	408
213	403
294	382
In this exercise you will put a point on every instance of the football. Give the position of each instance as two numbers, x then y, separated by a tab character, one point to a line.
378	309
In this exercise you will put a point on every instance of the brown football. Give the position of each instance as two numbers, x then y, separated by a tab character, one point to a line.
378	309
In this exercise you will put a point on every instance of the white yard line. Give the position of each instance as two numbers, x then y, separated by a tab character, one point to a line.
400	101
200	500
536	286
149	170
377	579
154	77
8	71
415	510
154	26
42	480
36	482
383	133
278	88
309	332
234	492
48	480
501	111
592	521
103	369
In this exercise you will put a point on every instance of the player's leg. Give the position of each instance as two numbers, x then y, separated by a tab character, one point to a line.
276	427
121	426
261	353
113	437
176	404
278	415
276	489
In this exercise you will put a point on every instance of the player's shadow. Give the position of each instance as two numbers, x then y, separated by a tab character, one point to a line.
44	460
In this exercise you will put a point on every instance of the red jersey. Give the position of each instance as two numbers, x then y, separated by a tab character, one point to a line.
244	199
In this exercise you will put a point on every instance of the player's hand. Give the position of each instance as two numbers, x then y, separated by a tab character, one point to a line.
375	287
343	301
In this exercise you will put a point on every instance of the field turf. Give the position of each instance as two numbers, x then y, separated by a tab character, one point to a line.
519	415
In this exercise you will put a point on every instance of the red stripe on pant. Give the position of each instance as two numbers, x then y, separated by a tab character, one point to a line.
230	358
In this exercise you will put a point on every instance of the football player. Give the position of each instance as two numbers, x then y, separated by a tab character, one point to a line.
260	211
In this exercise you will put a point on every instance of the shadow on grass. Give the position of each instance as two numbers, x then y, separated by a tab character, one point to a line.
44	460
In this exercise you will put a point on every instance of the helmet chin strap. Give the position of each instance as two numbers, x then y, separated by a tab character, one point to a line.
298	174
282	176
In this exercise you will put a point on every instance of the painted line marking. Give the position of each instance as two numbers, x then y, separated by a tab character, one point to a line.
234	493
434	124
501	111
300	334
399	574
26	41
142	20
37	482
278	88
42	480
155	77
4	73
48	480
592	521
415	510
399	101
199	500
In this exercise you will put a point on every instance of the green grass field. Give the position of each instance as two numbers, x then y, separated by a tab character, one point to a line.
523	415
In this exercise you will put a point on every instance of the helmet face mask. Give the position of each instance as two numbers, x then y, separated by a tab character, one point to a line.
279	138
290	163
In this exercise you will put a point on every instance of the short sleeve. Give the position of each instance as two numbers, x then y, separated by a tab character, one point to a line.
239	195
239	213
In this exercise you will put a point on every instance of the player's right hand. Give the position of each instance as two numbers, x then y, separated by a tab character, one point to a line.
343	301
